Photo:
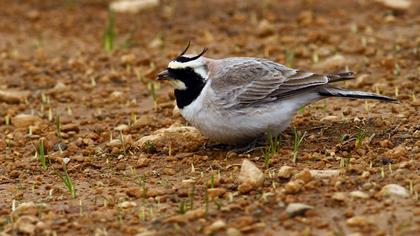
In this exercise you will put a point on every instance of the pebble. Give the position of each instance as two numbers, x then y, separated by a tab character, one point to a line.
134	192
132	6
121	127
188	216
25	120
25	208
250	174
216	226
396	4
70	127
320	174
285	172
339	196
26	224
395	190
233	232
293	186
265	28
216	192
128	204
359	194
333	62
304	175
358	221
174	139
295	209
13	97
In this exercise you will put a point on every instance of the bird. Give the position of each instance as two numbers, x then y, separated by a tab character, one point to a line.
238	100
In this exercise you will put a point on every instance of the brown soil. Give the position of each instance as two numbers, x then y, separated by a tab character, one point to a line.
54	50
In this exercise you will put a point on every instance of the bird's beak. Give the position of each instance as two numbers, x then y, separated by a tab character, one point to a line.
164	75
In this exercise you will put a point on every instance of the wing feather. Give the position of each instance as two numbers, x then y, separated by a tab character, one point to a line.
250	80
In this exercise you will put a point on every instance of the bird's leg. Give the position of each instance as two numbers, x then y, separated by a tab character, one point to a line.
255	144
217	146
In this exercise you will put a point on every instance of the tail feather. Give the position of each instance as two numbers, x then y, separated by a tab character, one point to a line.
338	92
340	77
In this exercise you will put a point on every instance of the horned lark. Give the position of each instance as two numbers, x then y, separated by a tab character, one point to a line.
236	100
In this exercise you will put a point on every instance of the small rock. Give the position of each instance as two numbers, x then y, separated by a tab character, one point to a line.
397	152
135	192
187	217
173	139
70	127
245	188
395	190
250	174
265	28
233	232
216	226
339	196
132	6
359	194
144	121
25	208
295	209
147	233
127	140
293	186
127	204
334	62
320	174
304	175
216	192
329	118
285	172
128	59
359	221
396	4
12	96
26	224
121	127
25	120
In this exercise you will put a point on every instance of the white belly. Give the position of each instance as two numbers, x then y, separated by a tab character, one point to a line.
235	127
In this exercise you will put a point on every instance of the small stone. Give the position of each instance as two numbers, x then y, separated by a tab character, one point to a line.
295	209
359	221
329	118
135	192
339	196
216	192
70	127
333	62
233	232
396	4
25	208
128	204
250	174
121	127
216	226
187	217
265	28
147	233
320	174
128	58
245	188
13	97
25	120
397	152
285	172
395	190
293	186
173	139
144	121
304	175
359	194
132	6
26	224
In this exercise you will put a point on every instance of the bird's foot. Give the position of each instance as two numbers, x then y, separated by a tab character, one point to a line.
257	143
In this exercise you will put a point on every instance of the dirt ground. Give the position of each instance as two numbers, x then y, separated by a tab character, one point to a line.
90	107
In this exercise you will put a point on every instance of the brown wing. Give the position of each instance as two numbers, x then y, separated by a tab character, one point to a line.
249	80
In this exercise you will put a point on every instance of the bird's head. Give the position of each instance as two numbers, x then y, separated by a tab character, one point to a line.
186	71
